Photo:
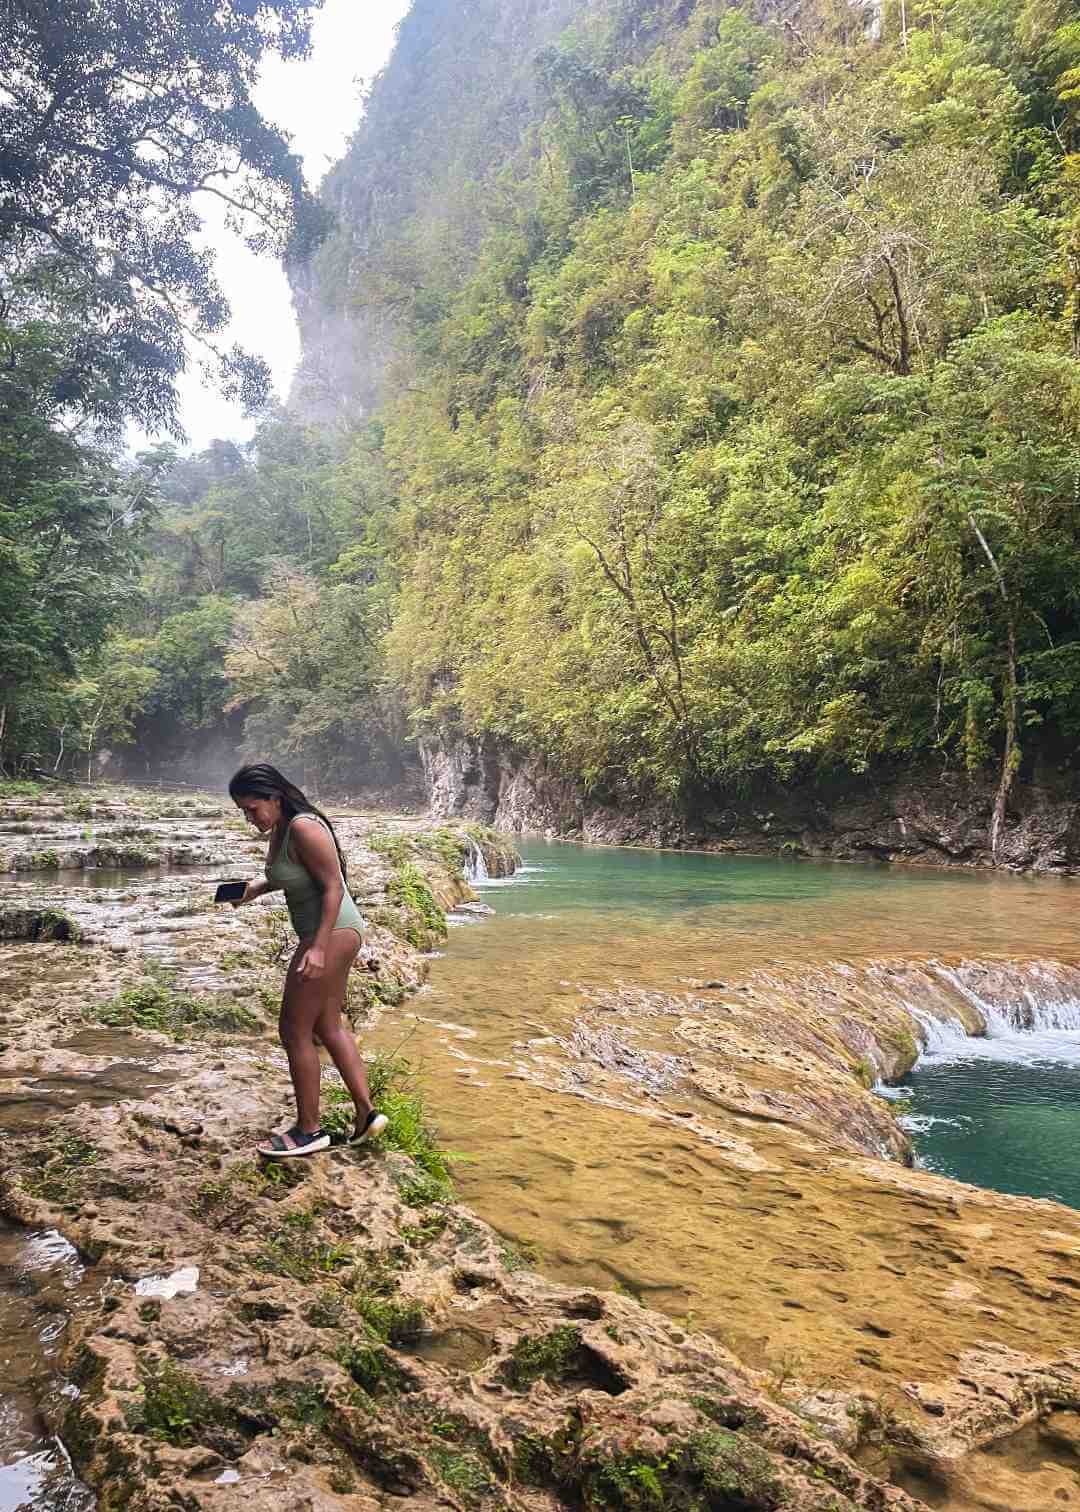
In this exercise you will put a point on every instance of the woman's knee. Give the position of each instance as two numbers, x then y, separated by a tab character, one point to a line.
293	1035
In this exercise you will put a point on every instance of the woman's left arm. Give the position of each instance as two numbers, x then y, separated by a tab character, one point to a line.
314	848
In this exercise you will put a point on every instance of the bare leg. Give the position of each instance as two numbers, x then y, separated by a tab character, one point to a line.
340	1045
303	1004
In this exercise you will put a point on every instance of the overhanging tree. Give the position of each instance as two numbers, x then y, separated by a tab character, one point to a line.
118	118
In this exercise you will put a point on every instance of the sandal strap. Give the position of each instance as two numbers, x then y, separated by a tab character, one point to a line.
293	1139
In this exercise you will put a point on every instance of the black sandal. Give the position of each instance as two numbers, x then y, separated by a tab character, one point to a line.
373	1126
293	1142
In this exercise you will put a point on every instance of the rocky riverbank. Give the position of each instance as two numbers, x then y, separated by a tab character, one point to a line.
343	1334
929	818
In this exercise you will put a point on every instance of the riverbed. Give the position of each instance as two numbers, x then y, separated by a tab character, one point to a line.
613	1196
656	1069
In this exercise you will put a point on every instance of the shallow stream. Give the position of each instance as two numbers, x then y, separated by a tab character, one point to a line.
41	1285
607	1197
1003	1111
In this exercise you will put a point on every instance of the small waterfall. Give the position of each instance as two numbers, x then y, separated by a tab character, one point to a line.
1026	998
476	868
939	1036
1024	1011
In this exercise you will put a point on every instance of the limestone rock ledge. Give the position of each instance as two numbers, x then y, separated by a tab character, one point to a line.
334	1333
347	1344
338	1334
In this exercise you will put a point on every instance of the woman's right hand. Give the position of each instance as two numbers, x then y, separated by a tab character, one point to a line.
252	890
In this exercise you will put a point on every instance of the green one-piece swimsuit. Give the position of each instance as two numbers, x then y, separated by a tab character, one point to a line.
303	894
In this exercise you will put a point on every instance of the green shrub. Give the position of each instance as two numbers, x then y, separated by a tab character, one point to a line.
53	924
176	1407
371	1366
393	1091
461	1470
63	1163
422	922
547	1356
155	1003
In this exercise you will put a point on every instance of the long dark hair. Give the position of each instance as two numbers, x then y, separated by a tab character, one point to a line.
263	781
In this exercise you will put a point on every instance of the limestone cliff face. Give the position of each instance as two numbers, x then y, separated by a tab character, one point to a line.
928	817
456	102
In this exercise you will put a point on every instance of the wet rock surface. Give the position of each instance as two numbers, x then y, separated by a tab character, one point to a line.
42	1285
338	1333
930	1319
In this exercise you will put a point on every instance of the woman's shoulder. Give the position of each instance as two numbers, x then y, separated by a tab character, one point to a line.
319	823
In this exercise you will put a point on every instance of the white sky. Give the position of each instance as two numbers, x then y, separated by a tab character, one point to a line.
317	102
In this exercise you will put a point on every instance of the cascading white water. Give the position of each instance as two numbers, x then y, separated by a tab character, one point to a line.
476	869
1030	1018
940	1036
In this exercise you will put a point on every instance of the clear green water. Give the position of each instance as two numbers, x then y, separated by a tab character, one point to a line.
692	908
1002	1113
1009	1119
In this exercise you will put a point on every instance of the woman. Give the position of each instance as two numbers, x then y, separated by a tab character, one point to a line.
304	859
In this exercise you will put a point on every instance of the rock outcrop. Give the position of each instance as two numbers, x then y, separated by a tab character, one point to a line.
926	818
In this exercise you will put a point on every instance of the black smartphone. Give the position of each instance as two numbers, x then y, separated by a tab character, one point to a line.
229	892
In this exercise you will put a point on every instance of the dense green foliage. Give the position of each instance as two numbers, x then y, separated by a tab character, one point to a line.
267	593
745	448
115	119
710	419
118	123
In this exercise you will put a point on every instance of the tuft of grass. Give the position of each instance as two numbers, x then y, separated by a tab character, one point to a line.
225	1201
734	1466
906	1043
461	1470
295	1249
396	848
632	1481
392	1080
18	787
302	1403
392	1320
710	1468
864	1072
59	1177
420	920
327	1310
521	1254
176	1407
238	960
155	1003
546	1356
371	1365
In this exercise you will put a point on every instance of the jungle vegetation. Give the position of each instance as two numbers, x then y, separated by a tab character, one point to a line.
724	424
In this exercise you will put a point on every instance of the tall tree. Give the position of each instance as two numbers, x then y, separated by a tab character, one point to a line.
115	118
